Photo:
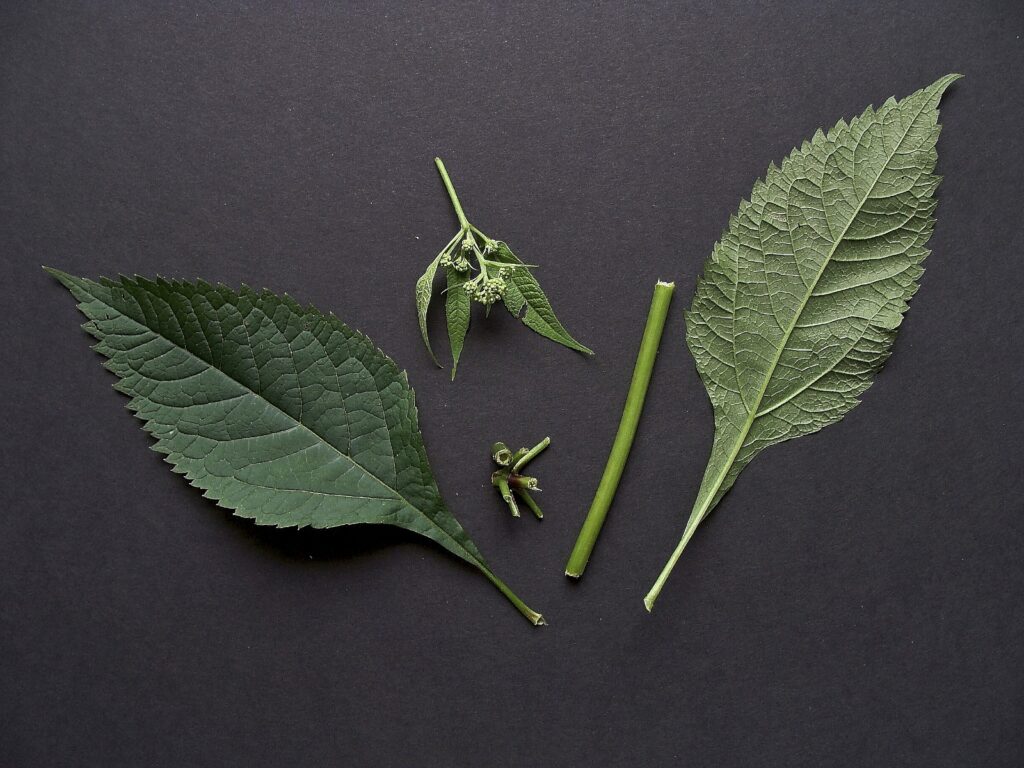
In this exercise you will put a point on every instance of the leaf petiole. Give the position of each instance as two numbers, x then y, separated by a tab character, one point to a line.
535	618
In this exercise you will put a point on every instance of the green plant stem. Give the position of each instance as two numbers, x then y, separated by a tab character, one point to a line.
463	221
522	482
531	454
500	480
451	243
627	431
501	454
527	499
651	596
535	618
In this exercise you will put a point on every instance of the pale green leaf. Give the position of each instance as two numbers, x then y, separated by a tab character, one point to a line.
457	310
280	413
800	300
524	291
424	290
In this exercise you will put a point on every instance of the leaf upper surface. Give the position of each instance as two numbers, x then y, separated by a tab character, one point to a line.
457	308
278	412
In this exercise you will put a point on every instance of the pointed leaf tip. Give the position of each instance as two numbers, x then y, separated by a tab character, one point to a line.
940	86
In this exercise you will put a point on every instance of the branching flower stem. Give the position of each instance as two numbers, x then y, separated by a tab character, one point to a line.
627	431
469	241
484	271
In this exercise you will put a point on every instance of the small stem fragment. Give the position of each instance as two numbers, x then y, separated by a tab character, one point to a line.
509	482
500	480
501	454
522	482
531	454
626	432
527	499
463	221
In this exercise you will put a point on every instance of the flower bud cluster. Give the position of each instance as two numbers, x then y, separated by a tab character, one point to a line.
486	291
457	261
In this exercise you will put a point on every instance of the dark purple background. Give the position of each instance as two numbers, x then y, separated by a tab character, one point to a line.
857	600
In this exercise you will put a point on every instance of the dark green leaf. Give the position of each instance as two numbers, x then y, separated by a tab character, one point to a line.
277	412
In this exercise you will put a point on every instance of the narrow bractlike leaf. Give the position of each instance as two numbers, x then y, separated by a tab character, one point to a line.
280	413
457	310
525	292
424	290
800	300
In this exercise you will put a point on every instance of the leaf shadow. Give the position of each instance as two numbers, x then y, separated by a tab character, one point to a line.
344	543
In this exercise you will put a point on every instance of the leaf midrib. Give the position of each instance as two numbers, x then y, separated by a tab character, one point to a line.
394	494
753	411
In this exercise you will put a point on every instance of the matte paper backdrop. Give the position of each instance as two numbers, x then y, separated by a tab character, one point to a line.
857	598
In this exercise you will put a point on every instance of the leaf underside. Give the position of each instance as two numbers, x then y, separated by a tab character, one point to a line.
800	300
278	412
424	290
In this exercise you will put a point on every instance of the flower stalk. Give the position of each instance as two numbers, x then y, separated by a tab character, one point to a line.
470	249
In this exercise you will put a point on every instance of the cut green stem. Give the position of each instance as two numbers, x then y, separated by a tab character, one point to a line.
463	221
627	431
501	454
531	454
535	618
500	481
527	499
523	483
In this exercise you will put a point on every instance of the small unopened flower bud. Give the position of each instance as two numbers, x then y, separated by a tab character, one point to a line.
467	244
490	290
